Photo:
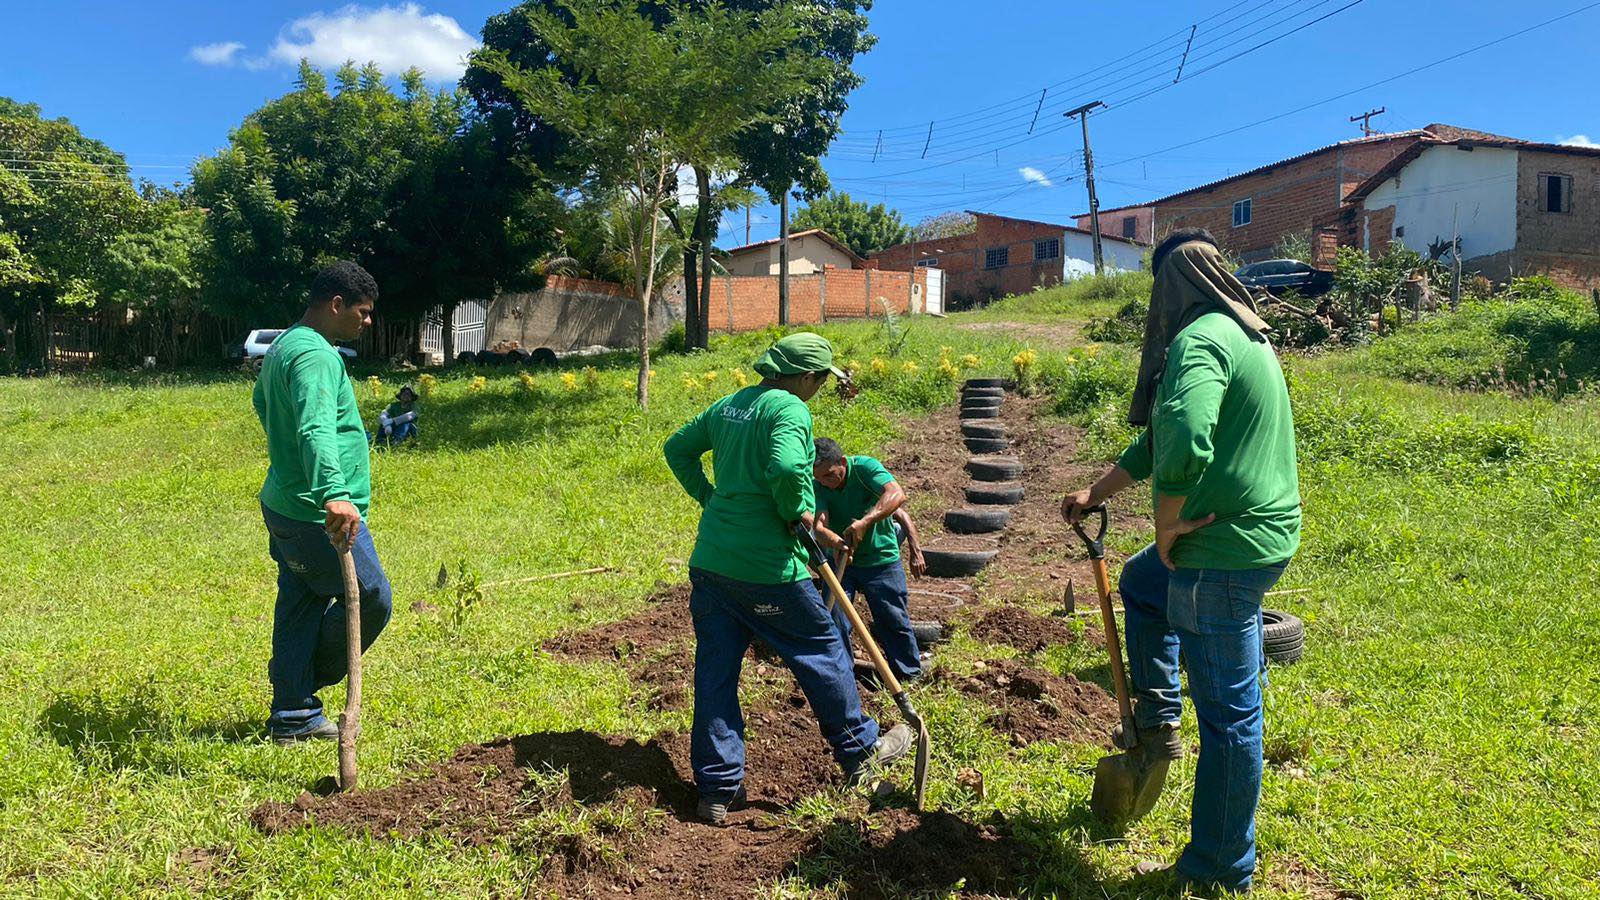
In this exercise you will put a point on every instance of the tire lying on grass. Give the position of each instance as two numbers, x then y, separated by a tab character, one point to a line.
983	430
544	356
994	468
466	358
1283	636
977	519
995	493
987	445
984	383
953	563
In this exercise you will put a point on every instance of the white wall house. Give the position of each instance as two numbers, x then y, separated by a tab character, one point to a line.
1473	188
809	251
1077	254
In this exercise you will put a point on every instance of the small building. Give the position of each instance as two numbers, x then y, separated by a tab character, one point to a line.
1134	223
1519	207
809	251
1005	255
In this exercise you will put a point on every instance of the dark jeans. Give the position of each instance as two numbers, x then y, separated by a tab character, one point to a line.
308	633
390	435
792	620
1214	617
885	589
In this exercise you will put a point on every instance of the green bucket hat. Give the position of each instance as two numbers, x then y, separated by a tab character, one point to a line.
797	354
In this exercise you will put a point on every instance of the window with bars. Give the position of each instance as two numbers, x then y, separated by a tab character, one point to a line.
928	262
1241	212
996	257
1555	192
1130	226
1049	248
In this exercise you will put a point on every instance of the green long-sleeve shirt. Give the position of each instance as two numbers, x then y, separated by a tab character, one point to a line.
761	455
316	445
1223	437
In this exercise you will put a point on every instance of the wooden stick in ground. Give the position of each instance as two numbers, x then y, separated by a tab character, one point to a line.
350	718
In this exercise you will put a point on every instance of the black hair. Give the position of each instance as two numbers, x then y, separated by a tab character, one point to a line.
344	279
829	452
1181	236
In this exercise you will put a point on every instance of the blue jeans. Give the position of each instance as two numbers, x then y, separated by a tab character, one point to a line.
792	620
308	633
885	590
395	434
1214	617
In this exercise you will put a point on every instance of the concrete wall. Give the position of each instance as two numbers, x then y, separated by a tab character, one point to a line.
807	254
568	313
1448	187
748	303
1078	255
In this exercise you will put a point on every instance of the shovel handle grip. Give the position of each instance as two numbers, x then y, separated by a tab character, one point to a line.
1095	545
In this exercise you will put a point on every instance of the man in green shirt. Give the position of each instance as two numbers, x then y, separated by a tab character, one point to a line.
859	494
1218	446
748	573
315	501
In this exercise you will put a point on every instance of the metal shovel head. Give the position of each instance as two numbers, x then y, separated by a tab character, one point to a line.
924	750
1126	787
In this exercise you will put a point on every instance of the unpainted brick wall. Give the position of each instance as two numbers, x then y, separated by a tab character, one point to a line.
1563	245
749	303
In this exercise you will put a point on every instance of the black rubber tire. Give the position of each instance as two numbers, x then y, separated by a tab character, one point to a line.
927	633
544	356
983	430
466	358
956	563
987	445
1283	636
969	402
491	358
977	519
984	382
995	493
987	412
994	468
982	392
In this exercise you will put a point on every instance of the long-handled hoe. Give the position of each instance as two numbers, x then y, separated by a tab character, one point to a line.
1126	784
885	674
350	718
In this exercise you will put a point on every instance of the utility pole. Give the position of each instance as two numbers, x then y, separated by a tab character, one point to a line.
1455	258
783	256
747	224
1082	113
1366	120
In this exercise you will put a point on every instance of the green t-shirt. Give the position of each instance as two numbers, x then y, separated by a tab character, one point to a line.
316	445
761	453
1223	437
864	481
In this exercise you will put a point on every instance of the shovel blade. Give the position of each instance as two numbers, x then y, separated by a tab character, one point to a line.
1126	787
924	751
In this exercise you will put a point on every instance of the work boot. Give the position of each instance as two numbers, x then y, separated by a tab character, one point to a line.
890	747
716	811
1157	743
318	729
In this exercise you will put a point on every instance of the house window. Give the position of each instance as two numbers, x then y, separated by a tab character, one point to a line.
1130	226
928	262
1555	193
996	257
1049	248
1241	212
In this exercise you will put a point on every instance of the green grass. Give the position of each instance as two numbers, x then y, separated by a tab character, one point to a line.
1439	740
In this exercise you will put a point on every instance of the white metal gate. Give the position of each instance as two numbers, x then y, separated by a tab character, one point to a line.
933	300
470	326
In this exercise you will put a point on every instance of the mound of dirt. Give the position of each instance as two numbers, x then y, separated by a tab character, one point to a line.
1034	705
1021	629
899	853
665	620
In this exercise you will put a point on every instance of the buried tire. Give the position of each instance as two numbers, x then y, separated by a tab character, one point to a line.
927	632
983	430
973	393
956	563
986	412
987	445
995	493
1283	636
977	519
994	468
984	383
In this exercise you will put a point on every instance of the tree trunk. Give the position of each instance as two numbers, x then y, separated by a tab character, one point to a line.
700	337
693	307
447	338
8	345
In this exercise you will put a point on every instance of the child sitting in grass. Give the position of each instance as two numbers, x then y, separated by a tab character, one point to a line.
398	423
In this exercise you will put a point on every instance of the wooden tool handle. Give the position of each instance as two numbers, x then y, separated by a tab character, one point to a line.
876	655
1108	620
350	718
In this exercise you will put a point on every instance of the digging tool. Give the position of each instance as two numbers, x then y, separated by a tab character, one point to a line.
1126	784
879	664
350	717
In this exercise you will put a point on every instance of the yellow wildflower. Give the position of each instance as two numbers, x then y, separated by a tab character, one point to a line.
479	383
909	367
569	381
426	383
526	380
970	361
375	386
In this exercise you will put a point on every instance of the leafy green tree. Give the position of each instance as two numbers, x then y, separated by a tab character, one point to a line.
944	225
863	228
638	94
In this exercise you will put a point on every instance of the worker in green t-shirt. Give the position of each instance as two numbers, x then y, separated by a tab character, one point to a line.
315	500
1218	448
859	506
398	422
748	573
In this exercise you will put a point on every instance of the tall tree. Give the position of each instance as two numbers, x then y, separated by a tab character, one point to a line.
637	94
943	225
864	228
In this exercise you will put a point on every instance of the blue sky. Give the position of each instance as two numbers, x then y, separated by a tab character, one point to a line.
164	83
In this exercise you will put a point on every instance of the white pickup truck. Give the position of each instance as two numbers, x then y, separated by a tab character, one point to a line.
255	344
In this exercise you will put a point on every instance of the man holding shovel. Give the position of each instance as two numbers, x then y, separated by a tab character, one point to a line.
748	573
1218	446
314	501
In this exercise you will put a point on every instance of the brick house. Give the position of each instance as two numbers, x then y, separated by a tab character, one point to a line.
1303	195
1005	255
1135	223
809	251
1520	207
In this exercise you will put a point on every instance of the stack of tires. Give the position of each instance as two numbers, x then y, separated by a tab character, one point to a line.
994	490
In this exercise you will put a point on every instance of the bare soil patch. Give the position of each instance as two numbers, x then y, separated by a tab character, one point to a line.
1031	704
1023	630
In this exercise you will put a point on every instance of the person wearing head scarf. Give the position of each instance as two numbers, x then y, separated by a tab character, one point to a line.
1218	449
748	575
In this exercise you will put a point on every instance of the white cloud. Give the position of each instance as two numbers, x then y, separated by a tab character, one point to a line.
394	37
218	54
1579	140
1034	176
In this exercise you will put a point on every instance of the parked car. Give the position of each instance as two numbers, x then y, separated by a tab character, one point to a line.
255	344
1279	276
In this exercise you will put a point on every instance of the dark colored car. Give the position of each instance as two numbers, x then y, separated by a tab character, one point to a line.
1279	276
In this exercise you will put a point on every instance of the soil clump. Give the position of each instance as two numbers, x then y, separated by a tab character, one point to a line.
1034	705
